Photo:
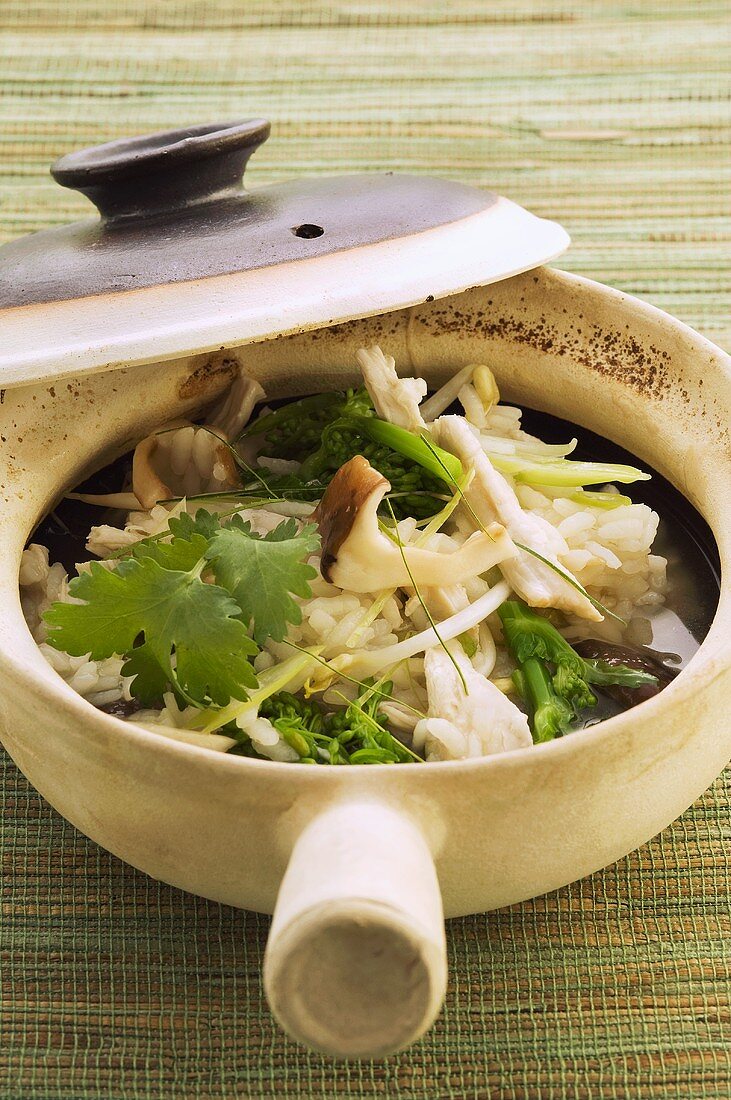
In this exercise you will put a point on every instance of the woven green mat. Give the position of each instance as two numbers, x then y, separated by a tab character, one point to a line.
607	116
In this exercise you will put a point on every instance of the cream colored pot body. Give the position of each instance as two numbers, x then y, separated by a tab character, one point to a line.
366	840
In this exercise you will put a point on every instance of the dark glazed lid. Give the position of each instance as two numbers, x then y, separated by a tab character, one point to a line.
164	173
183	259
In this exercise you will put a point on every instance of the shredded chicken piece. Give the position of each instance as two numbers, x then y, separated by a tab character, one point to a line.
492	498
481	722
395	399
445	601
358	556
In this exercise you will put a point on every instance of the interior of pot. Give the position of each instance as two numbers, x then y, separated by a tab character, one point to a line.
578	364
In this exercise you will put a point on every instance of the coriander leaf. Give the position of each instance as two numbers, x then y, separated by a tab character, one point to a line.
179	617
262	574
188	544
181	554
286	530
185	526
151	680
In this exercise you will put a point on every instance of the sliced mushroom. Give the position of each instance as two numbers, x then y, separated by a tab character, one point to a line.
182	460
186	459
395	399
358	556
194	459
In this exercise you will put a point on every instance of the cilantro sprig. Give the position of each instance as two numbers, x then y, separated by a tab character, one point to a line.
190	611
263	574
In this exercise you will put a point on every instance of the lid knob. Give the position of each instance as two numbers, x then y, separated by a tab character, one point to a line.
163	173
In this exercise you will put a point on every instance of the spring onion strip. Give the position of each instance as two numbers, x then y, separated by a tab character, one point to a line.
469	645
252	498
271	681
278	505
414	447
371	661
535	471
435	405
370	615
535	450
436	522
600	500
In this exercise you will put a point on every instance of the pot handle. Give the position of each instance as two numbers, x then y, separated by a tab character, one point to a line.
356	961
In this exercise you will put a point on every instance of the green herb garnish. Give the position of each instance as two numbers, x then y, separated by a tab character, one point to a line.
357	734
174	630
263	574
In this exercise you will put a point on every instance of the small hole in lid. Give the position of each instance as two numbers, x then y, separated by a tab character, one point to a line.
308	231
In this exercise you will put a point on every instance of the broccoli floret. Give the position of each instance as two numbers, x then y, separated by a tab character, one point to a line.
551	715
413	487
414	491
324	431
285	709
295	429
357	735
363	729
552	677
530	635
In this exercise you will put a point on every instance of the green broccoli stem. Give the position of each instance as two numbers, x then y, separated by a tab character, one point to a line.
550	714
530	634
553	678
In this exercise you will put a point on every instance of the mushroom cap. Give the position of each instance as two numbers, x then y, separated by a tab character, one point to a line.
358	556
352	486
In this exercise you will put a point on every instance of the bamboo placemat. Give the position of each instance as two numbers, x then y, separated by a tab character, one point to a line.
608	117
